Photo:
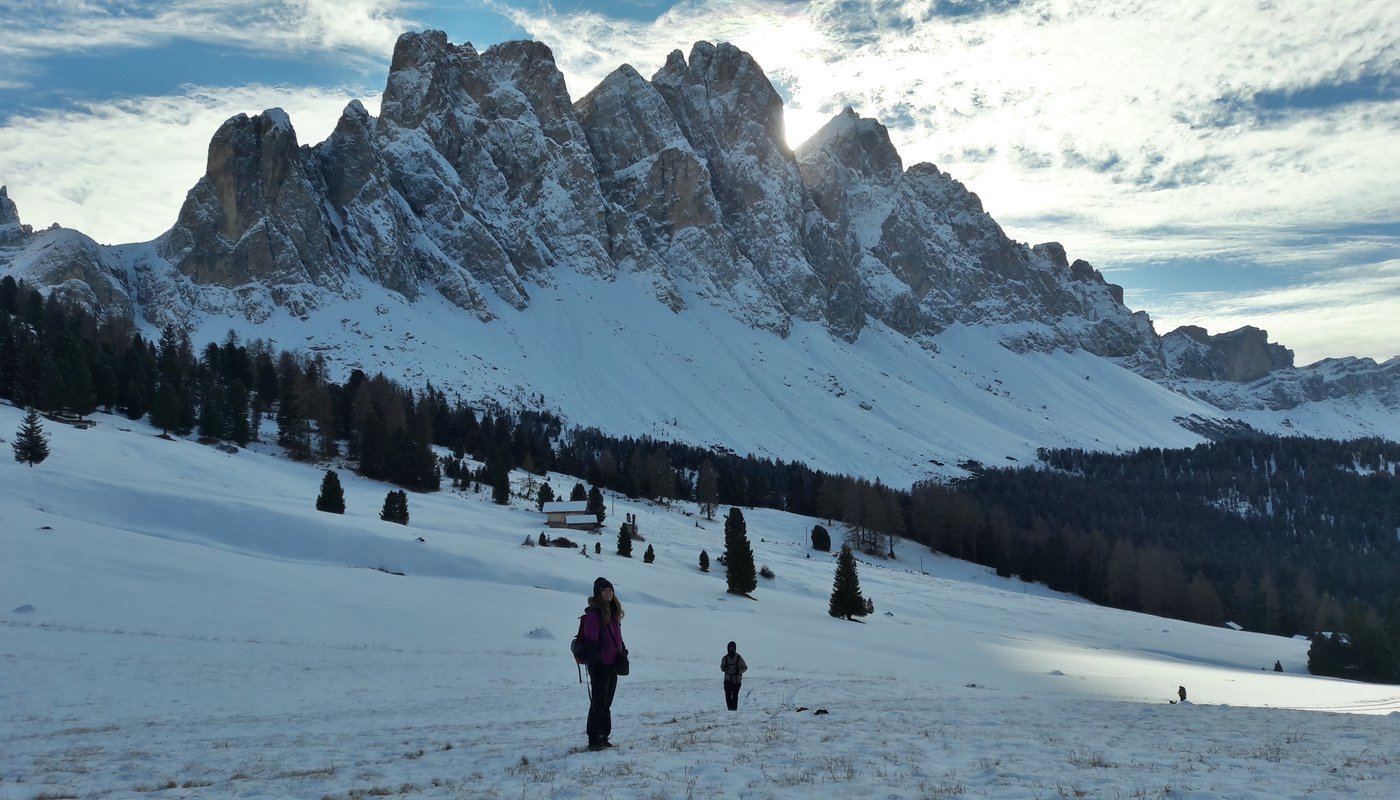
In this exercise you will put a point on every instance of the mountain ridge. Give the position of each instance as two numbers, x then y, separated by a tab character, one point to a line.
483	183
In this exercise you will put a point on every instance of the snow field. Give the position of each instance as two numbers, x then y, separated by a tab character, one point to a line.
177	621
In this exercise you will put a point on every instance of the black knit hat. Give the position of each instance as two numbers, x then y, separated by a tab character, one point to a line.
601	584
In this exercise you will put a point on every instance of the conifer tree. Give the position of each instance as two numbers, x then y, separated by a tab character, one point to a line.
332	496
546	495
821	539
707	489
500	485
846	599
165	409
395	507
738	554
704	561
595	504
624	540
649	556
578	493
31	444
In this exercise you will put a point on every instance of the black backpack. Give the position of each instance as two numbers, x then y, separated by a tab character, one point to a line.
581	647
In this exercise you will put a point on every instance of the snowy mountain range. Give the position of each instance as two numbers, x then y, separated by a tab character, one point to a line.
653	259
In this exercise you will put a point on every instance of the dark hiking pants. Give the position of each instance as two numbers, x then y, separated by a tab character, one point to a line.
603	681
731	695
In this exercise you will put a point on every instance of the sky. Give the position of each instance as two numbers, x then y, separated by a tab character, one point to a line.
1228	163
164	640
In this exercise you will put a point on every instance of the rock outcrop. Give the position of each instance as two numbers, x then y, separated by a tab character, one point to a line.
12	231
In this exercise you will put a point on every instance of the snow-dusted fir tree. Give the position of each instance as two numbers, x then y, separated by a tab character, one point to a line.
546	495
31	444
738	554
332	496
846	600
649	556
395	507
624	540
704	561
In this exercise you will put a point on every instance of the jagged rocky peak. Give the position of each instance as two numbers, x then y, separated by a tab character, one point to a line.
255	216
1239	356
12	231
727	83
429	73
1081	270
860	144
733	118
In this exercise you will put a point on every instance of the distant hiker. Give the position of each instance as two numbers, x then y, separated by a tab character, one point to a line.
1278	667
602	630
1181	692
734	668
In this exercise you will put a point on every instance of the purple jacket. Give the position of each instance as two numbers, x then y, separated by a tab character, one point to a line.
608	636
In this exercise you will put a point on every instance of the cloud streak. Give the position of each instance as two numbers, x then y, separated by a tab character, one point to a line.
40	28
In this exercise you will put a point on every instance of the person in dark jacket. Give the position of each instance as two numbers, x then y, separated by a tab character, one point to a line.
734	668
602	630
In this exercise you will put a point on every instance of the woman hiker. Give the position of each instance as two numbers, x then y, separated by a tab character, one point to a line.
734	669
602	629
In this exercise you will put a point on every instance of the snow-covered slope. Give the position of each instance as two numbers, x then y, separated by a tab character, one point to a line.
195	629
611	358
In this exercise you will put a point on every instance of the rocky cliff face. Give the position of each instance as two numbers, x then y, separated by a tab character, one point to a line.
1239	356
482	181
12	232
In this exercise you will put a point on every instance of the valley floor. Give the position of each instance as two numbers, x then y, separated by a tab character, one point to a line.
130	713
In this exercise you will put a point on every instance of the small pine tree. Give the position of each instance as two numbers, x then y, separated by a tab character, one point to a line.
598	547
738	554
595	504
332	497
704	561
31	444
578	493
546	495
821	539
395	507
649	556
500	485
846	599
624	541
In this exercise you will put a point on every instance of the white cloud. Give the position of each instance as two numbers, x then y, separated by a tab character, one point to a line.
368	27
138	158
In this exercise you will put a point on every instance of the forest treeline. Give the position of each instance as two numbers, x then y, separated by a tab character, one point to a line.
1282	535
